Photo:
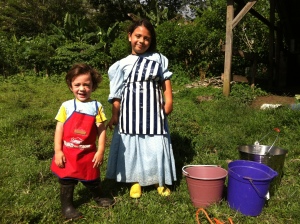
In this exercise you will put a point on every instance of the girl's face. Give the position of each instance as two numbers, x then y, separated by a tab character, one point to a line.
140	40
82	86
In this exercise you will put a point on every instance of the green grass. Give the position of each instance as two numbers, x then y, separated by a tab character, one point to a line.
207	132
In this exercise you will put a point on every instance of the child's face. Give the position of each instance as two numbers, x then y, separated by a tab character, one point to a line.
140	40
82	86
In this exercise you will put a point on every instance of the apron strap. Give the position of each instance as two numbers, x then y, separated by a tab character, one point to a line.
97	108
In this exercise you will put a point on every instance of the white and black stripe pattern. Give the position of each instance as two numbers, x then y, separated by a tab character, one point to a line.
142	101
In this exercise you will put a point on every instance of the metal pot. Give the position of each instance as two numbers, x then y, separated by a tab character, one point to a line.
271	156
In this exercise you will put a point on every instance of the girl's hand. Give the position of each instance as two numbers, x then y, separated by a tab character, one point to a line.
168	108
113	122
167	88
98	159
115	114
60	159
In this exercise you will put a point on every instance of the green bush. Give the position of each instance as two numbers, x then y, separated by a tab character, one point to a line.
193	46
120	48
8	64
71	53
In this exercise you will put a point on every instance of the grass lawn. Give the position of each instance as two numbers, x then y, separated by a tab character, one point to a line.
203	133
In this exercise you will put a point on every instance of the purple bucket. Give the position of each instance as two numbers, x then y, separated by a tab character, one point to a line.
248	186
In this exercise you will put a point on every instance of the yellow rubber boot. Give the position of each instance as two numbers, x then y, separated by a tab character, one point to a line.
163	191
136	191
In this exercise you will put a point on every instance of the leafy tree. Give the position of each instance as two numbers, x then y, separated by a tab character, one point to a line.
106	36
77	29
155	13
31	17
105	13
172	7
120	47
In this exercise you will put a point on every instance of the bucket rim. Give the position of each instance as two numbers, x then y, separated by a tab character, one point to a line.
239	148
203	178
267	179
253	165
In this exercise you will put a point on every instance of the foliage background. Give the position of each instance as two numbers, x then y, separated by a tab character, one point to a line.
46	37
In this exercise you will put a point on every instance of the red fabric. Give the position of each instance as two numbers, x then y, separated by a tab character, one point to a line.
79	132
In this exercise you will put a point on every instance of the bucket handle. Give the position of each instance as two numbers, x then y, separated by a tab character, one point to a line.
255	188
186	173
274	174
274	129
278	131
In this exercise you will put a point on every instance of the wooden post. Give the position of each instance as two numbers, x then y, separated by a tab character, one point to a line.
231	22
228	48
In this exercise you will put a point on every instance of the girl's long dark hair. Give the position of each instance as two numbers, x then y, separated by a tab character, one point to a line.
150	27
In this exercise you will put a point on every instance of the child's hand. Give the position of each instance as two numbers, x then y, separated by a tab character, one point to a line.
98	159
60	159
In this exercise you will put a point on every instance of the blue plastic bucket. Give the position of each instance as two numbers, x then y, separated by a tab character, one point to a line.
248	186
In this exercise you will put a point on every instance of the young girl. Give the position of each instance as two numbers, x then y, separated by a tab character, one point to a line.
80	123
141	96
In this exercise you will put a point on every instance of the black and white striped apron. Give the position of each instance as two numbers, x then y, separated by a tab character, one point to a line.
141	110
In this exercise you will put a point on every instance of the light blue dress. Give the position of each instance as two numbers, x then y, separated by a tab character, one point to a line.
146	159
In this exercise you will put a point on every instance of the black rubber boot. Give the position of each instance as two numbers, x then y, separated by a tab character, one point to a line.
66	199
96	194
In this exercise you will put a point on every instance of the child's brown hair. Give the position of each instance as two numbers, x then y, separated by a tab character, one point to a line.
83	68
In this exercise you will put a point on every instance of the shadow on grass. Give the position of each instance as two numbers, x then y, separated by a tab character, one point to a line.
183	153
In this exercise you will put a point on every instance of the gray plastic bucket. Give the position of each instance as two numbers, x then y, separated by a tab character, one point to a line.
271	156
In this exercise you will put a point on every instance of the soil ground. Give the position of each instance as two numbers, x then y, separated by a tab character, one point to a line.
284	96
281	96
273	99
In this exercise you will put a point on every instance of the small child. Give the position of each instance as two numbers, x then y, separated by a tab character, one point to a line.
80	125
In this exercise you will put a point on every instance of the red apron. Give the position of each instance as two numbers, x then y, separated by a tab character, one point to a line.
79	138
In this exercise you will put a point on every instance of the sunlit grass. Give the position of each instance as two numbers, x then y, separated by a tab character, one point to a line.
206	132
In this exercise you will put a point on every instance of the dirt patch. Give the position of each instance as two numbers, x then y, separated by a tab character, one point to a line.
284	98
272	99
